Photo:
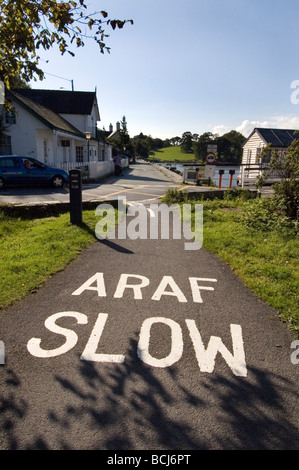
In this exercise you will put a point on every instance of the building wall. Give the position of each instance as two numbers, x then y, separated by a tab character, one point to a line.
83	122
30	137
44	145
23	134
252	148
77	120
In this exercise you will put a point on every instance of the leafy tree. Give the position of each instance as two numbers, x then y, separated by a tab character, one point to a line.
141	148
186	142
29	25
158	144
200	146
144	144
122	143
175	140
286	167
17	82
124	135
140	136
230	147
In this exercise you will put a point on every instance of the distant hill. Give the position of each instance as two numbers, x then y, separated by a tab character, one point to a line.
170	154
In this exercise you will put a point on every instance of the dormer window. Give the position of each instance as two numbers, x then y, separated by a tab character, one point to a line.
10	116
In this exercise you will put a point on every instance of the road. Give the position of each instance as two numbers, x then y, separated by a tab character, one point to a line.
141	182
140	344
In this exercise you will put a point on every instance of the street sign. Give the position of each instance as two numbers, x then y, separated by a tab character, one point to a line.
209	171
211	157
190	174
212	148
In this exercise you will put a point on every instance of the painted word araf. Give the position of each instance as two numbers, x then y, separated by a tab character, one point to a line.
136	283
206	356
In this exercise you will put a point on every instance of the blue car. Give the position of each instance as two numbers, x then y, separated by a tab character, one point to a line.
19	170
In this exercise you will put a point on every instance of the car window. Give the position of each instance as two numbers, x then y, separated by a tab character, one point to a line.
30	164
9	162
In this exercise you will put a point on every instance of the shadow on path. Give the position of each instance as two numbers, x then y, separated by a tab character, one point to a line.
128	407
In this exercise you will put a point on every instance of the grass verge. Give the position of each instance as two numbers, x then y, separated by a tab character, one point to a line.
267	261
33	250
171	154
265	258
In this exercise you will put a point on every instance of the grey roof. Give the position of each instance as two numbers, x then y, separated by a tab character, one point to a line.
61	101
277	137
49	117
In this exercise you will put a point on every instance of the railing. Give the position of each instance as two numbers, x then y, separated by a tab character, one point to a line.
89	170
250	173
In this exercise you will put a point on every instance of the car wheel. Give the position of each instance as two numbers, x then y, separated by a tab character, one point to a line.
2	183
58	181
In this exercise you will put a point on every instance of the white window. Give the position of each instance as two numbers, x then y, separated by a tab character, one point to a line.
10	116
249	152
79	154
258	155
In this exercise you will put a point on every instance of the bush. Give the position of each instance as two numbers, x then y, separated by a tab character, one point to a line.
266	214
173	196
287	197
287	168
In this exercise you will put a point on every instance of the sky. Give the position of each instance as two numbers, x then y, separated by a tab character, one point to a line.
189	66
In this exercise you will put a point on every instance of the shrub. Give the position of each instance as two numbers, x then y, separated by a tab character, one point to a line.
267	214
286	166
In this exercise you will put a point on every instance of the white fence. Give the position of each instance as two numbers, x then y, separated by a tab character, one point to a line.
92	170
250	173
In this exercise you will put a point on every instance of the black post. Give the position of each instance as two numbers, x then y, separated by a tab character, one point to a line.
231	172
75	196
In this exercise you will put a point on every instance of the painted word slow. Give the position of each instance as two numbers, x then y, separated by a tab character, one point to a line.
205	356
136	283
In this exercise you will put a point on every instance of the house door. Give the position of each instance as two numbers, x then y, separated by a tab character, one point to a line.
65	154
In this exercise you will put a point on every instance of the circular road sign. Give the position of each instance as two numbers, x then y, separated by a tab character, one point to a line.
211	157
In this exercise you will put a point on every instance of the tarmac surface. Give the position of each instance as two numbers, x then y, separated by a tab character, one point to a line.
142	345
142	182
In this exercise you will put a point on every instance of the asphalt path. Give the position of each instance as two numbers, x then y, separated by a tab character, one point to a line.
140	344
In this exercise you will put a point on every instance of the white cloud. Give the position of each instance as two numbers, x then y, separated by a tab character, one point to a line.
287	122
247	126
275	122
220	130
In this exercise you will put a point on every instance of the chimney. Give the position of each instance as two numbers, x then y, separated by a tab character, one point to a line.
118	126
110	128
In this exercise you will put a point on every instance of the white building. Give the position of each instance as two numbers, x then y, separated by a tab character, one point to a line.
53	126
279	139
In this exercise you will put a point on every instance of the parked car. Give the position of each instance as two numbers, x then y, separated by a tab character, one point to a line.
20	170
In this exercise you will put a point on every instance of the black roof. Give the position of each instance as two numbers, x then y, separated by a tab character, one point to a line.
277	137
61	101
49	117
